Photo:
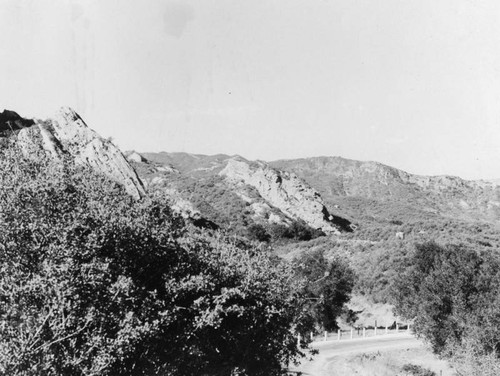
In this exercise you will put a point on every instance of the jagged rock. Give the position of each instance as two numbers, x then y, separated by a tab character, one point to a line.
67	133
134	156
283	190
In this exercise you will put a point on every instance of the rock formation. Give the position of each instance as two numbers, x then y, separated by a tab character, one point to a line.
67	134
283	190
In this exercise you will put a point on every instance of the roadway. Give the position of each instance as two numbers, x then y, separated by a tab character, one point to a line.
330	351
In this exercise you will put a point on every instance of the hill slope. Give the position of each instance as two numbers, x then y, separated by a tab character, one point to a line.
236	193
341	181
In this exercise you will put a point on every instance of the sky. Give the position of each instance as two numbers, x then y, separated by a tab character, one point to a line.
412	84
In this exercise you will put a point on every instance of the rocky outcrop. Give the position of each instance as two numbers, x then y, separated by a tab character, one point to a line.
134	156
10	122
283	190
67	134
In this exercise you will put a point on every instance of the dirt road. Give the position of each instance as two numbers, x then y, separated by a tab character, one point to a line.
338	357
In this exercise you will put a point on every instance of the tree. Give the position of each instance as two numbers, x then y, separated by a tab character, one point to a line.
93	282
329	287
452	293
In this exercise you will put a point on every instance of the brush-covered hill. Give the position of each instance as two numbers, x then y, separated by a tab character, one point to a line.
373	214
245	197
380	211
394	210
378	200
342	182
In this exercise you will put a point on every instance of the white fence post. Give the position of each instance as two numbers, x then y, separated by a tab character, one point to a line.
351	332
408	328
338	335
375	331
397	328
364	332
298	340
386	329
326	334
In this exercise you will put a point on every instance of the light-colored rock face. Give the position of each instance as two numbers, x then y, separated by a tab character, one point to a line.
135	157
283	190
67	133
181	206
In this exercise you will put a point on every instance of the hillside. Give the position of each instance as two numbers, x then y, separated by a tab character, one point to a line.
247	198
342	181
372	214
390	210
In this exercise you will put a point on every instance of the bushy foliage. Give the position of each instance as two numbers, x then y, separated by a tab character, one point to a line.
258	232
329	286
469	360
211	196
297	230
377	256
95	283
453	294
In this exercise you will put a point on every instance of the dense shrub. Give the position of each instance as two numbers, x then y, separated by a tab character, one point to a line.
95	283
258	232
329	286
297	230
453	294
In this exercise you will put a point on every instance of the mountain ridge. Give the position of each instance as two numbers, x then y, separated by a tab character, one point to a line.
337	177
338	188
266	195
351	188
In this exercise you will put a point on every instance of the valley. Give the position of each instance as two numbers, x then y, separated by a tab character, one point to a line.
378	212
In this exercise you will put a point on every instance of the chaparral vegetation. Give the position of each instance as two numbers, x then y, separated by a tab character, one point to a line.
93	282
453	294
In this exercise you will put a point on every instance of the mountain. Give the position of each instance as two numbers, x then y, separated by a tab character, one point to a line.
328	194
66	135
373	213
237	193
342	181
378	212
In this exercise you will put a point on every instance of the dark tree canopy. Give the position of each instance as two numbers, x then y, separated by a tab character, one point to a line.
329	286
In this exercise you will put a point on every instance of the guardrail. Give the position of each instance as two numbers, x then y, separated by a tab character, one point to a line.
354	333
